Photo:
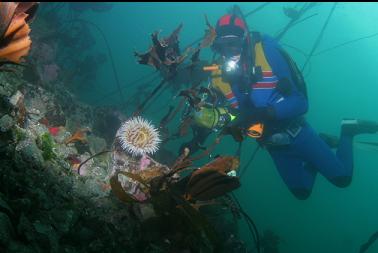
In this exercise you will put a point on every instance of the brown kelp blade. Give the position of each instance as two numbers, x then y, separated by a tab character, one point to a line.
222	164
211	184
149	58
118	191
211	180
210	35
221	188
198	222
173	37
142	58
117	188
196	180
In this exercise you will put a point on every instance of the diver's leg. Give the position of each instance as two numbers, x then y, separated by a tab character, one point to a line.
353	127
298	176
313	149
345	153
350	128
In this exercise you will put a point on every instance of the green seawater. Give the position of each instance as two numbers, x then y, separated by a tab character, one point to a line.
341	83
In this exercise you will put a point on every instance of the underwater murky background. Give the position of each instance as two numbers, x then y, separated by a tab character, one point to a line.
340	82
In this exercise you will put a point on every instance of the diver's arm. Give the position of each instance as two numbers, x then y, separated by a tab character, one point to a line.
290	106
289	102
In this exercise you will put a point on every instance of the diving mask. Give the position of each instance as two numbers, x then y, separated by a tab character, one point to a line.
228	45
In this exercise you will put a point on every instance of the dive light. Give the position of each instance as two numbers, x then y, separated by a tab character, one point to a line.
213	67
230	68
231	64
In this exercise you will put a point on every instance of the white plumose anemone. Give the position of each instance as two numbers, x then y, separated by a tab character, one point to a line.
138	136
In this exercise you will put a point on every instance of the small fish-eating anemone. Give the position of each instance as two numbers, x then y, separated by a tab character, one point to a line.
137	137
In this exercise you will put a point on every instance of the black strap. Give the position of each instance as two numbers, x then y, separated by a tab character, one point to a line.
296	74
255	71
232	19
256	37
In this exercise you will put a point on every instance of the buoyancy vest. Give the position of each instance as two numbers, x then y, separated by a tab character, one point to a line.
265	82
224	87
262	89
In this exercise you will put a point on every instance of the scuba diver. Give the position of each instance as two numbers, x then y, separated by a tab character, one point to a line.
266	92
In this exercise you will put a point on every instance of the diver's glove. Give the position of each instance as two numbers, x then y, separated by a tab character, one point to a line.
235	128
242	118
236	132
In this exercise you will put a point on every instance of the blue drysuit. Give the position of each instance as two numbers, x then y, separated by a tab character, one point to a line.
299	161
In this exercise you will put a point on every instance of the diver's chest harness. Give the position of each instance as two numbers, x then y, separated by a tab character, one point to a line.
261	84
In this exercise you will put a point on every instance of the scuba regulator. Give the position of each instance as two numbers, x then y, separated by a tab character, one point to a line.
213	117
203	110
216	118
